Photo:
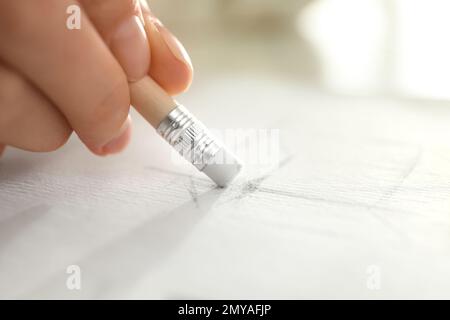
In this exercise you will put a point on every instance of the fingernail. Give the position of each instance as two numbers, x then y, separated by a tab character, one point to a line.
120	141
130	47
172	42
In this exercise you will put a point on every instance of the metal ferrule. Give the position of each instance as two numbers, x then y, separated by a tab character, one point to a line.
189	137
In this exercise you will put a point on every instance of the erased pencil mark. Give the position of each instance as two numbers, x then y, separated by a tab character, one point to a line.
312	198
286	161
329	201
193	191
386	196
408	171
252	185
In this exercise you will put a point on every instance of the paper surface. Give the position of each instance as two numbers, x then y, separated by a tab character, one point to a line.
363	186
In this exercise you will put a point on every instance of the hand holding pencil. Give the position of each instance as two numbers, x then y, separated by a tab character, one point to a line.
55	80
58	79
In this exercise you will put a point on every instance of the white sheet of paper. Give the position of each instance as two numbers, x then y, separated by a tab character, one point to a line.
359	207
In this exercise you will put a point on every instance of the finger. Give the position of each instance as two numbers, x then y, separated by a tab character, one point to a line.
27	119
73	68
2	149
170	66
121	26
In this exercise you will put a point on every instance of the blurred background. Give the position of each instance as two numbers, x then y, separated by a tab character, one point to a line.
353	47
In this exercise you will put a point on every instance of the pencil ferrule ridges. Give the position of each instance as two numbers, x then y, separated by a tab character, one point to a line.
189	137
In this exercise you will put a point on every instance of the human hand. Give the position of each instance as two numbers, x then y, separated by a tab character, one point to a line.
55	80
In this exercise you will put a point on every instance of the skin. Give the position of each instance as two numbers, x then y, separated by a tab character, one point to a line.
55	81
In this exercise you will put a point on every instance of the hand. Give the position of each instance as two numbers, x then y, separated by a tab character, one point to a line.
55	80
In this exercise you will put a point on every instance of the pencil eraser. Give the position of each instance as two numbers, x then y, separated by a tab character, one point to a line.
223	168
195	143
